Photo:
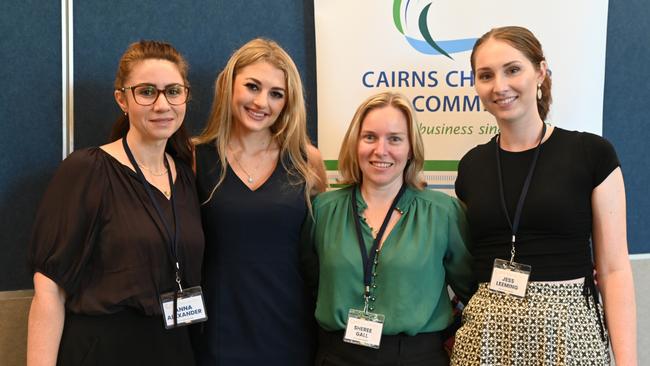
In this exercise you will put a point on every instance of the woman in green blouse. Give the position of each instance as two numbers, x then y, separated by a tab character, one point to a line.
385	247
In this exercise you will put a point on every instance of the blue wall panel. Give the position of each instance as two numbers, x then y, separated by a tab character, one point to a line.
206	32
30	115
625	109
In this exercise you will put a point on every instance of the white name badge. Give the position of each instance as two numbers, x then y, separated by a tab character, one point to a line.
510	278
364	329
190	307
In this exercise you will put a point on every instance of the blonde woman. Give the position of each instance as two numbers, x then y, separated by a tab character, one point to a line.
256	173
386	247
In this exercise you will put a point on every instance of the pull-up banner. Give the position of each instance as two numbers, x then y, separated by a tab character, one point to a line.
422	49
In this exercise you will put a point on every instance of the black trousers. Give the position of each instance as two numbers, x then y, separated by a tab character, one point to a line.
124	338
395	350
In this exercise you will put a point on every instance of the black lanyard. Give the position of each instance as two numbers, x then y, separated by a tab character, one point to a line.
369	259
172	240
514	225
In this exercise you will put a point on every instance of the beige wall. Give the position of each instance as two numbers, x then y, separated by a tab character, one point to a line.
641	268
14	307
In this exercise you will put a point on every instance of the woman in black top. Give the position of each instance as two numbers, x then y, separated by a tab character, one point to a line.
540	200
256	172
102	249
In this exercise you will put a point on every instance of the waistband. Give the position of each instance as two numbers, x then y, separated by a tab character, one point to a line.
392	347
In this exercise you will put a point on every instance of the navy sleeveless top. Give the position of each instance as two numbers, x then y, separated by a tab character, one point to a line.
259	308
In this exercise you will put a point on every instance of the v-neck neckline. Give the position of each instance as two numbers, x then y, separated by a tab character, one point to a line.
242	181
133	174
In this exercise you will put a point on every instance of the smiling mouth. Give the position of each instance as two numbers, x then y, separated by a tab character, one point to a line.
161	120
505	101
381	164
255	115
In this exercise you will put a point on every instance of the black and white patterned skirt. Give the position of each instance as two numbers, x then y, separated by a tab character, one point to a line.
555	324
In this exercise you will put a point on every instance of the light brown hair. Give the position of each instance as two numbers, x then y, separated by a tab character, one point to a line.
525	42
348	157
179	144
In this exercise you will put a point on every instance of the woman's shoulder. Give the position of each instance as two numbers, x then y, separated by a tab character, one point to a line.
479	152
578	136
206	157
83	160
206	148
333	197
436	199
430	195
595	147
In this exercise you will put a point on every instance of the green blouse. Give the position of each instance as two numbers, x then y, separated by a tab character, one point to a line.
424	252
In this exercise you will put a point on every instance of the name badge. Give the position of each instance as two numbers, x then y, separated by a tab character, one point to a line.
509	278
190	307
364	329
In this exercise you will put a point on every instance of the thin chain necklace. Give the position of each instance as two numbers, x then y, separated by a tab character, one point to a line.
152	172
250	178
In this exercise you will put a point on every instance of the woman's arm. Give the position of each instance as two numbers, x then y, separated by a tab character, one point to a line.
45	324
316	162
458	260
613	265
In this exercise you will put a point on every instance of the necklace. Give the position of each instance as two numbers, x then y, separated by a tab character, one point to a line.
152	172
249	176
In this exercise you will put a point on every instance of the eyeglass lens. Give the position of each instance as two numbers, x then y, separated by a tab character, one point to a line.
148	94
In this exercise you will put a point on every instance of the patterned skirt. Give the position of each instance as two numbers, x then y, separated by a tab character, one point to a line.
555	324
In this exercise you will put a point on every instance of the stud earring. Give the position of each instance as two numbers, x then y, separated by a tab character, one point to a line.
125	113
539	91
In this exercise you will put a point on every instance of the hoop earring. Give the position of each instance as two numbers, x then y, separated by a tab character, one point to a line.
539	91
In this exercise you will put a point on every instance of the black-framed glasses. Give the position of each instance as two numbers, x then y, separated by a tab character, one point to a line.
147	94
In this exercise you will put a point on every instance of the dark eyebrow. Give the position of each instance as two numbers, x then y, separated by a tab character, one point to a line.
512	63
507	64
155	86
259	83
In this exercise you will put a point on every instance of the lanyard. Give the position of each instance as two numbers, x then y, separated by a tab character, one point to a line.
369	259
171	239
514	225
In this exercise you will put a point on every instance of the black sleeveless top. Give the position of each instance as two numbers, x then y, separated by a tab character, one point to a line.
259	310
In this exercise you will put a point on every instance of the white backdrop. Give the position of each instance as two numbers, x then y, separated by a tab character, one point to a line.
367	46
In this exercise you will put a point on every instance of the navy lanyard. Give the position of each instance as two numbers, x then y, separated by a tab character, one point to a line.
514	225
369	259
172	240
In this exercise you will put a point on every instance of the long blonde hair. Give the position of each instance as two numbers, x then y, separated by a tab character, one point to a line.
348	157
289	131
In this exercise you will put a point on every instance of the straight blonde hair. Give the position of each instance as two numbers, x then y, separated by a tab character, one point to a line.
289	131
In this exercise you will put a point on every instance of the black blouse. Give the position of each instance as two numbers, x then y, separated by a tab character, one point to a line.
98	236
555	230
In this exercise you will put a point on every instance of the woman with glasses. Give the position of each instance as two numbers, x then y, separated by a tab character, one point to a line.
117	242
256	172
